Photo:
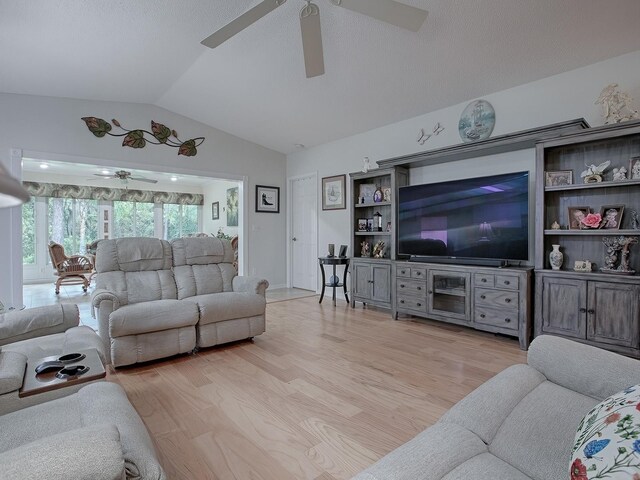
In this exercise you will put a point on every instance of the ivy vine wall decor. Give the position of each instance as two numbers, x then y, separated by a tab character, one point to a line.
161	134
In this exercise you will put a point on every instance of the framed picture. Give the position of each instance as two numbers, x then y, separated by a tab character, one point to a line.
386	194
366	192
558	178
232	207
634	168
611	216
369	224
343	251
333	192
215	211
576	214
267	199
362	224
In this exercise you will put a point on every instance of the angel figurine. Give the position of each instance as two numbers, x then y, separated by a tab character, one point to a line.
619	174
616	104
593	173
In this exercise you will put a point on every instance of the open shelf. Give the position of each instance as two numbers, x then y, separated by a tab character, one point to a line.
586	186
365	234
379	204
610	232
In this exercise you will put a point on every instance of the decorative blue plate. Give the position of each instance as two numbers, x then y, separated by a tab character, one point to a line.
477	121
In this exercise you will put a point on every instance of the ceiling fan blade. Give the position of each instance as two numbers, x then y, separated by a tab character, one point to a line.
242	22
104	175
390	11
142	179
312	40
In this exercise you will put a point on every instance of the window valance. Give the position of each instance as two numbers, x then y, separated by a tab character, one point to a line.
58	190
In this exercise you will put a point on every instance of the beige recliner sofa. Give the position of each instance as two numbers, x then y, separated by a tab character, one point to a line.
93	434
145	312
35	333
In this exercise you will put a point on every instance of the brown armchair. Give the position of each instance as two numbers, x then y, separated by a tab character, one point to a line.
73	270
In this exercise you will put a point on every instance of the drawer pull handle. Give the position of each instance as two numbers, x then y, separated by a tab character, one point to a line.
583	310
403	271
507	300
419	304
484	280
430	292
483	297
419	288
418	274
508	320
401	301
507	282
401	285
591	311
482	315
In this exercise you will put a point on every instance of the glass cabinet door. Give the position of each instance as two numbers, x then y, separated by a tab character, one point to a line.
450	294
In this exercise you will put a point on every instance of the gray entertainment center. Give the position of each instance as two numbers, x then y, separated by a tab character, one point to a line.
494	299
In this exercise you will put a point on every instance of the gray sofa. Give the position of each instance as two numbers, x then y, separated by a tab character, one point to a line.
33	334
154	299
94	434
520	425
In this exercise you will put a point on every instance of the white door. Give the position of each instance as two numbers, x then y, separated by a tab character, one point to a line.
304	249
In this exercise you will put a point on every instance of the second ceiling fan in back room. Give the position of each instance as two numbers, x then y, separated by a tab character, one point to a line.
390	11
124	176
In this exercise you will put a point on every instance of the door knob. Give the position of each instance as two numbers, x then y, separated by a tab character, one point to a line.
294	239
591	311
583	310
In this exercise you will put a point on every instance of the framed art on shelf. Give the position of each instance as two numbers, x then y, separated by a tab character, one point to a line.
267	199
611	216
215	211
333	192
558	178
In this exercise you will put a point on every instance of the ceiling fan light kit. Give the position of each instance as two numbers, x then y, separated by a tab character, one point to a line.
389	11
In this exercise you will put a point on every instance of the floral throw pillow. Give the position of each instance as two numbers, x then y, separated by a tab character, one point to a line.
607	443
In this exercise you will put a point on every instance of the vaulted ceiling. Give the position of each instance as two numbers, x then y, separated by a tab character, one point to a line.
254	85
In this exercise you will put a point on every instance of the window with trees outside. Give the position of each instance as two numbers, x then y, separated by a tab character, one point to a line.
179	220
133	219
73	223
29	232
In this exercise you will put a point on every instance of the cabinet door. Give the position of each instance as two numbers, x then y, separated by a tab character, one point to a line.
362	280
564	307
614	314
449	293
381	286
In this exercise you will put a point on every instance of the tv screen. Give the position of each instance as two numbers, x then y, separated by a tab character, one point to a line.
486	217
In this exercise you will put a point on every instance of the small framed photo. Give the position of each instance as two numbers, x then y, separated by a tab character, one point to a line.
343	251
333	192
215	211
267	199
369	224
611	216
576	214
388	226
367	190
634	168
558	178
362	224
386	193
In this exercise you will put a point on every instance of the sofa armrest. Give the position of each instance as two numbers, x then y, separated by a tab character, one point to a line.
103	304
12	367
21	325
250	285
100	295
88	453
582	368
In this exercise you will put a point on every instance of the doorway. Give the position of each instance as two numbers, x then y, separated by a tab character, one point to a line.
303	231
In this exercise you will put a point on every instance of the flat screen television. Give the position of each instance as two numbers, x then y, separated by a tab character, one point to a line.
475	218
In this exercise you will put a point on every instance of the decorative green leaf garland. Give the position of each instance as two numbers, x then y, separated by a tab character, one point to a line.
136	138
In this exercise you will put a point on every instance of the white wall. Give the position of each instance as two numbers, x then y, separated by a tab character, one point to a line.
216	191
53	126
554	99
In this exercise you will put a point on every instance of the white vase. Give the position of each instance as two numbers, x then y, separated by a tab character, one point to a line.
556	257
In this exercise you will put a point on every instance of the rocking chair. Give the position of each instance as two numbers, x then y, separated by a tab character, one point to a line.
73	270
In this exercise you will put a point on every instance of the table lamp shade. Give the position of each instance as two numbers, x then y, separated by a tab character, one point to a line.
12	193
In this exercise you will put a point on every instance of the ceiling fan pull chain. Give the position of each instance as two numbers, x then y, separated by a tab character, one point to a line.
309	9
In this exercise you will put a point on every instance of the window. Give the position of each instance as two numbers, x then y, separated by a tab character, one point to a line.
133	219
73	223
29	232
179	220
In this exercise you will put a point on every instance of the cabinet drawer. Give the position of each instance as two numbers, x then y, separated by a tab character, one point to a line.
507	281
404	272
418	272
483	279
495	298
411	303
505	318
411	287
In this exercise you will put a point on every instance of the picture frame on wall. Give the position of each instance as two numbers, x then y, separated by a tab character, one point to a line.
334	192
232	207
267	199
215	211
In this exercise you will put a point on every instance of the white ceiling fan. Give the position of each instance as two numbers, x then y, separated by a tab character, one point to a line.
390	11
124	176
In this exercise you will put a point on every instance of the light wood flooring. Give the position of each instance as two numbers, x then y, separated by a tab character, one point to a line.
321	395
